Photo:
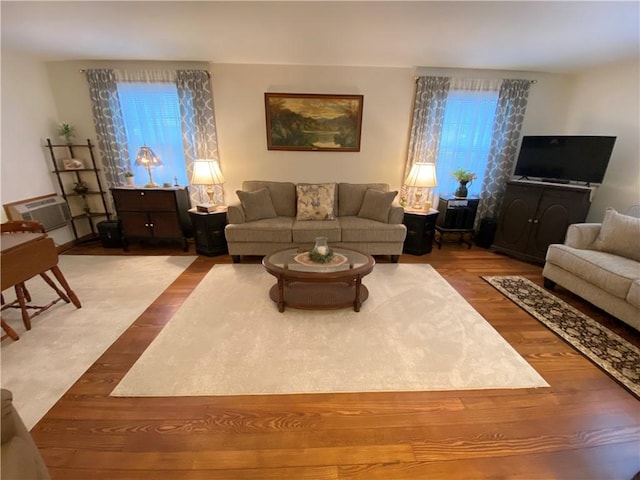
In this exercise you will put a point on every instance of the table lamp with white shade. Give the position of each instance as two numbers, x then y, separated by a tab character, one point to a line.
420	176
207	172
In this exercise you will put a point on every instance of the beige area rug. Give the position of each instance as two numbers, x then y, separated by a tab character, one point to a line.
414	333
64	341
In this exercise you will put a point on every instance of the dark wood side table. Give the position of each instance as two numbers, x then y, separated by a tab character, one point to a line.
421	227
457	217
208	230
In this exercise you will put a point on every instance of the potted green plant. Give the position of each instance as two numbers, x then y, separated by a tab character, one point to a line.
81	187
65	130
129	177
464	177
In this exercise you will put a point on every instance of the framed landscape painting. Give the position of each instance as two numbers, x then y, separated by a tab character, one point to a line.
313	122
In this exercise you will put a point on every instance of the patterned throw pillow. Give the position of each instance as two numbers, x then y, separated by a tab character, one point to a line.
376	205
315	201
256	205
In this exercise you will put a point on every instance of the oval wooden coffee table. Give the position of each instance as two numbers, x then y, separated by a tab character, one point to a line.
308	285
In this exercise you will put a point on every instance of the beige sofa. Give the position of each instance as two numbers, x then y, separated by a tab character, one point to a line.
600	263
21	459
275	215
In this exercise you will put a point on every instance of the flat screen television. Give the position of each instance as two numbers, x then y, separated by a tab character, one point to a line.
564	159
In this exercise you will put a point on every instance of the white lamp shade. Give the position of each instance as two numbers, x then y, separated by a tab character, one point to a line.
206	172
422	175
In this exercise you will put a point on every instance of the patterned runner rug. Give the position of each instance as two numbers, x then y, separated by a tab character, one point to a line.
606	349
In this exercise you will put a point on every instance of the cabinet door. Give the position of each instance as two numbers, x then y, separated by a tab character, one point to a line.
517	216
209	233
457	214
557	210
135	224
165	224
415	233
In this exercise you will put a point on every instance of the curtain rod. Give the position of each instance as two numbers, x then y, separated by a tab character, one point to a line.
530	81
82	70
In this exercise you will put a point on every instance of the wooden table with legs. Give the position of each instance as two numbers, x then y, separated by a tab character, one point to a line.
308	285
25	255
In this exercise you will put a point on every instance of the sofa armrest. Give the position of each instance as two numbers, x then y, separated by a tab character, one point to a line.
582	235
396	214
20	455
235	214
8	424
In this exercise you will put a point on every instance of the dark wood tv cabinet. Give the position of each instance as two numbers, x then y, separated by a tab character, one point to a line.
535	215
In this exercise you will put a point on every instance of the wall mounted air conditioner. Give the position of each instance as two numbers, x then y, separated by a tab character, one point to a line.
52	212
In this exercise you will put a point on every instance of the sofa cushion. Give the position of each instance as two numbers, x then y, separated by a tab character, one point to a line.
612	273
307	231
634	294
270	230
283	195
356	229
351	195
315	201
256	205
619	234
376	205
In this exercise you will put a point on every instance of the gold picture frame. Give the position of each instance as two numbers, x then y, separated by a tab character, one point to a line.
313	122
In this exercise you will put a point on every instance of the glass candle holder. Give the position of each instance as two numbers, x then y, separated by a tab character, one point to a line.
321	246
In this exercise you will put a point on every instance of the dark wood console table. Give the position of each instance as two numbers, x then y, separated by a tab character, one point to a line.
153	214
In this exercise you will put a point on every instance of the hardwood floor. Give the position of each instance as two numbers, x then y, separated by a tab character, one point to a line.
585	426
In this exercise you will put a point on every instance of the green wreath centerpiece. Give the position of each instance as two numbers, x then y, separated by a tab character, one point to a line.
318	257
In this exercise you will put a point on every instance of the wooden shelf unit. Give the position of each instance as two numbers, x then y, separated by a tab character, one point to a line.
78	203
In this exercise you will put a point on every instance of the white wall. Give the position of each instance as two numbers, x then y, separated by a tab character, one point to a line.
606	101
28	117
240	114
239	106
548	96
28	114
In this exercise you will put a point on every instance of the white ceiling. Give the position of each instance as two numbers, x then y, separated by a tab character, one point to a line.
533	36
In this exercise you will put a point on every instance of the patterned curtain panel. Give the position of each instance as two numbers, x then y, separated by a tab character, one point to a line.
109	124
198	125
512	104
426	127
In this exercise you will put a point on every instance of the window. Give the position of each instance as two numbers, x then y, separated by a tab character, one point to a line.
151	113
466	137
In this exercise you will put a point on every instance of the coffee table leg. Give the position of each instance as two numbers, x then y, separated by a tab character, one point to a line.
280	294
357	303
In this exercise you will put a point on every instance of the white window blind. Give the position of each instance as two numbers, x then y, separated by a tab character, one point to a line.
151	113
466	137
